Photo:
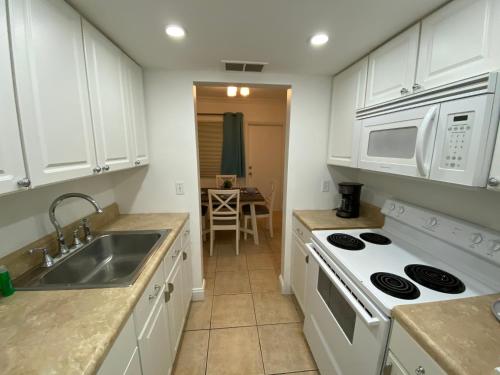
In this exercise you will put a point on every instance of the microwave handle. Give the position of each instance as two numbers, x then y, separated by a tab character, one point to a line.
422	140
369	320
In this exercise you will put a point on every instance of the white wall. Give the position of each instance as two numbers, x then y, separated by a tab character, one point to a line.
172	141
24	216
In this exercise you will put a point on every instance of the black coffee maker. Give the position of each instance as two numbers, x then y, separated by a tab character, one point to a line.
351	193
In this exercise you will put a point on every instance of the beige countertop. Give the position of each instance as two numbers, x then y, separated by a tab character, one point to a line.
461	335
71	331
369	217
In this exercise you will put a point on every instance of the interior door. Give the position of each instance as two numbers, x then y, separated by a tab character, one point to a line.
108	96
265	159
11	154
459	41
391	68
52	90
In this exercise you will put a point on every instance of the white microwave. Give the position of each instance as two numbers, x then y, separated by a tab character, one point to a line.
445	135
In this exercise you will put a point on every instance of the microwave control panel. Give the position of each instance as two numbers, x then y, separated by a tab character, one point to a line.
457	140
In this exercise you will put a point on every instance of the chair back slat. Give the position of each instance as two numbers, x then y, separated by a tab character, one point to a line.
223	204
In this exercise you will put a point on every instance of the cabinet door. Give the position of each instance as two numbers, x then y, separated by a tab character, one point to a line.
108	97
52	91
391	68
187	277
11	154
299	267
154	344
392	366
494	177
137	114
175	305
458	41
348	94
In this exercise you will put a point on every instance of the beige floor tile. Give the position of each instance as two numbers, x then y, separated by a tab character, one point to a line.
272	308
302	373
284	349
232	310
199	314
264	281
235	263
209	266
262	261
192	355
234	351
249	247
209	285
231	283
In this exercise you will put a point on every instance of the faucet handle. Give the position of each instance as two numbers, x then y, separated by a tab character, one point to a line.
86	230
48	261
76	238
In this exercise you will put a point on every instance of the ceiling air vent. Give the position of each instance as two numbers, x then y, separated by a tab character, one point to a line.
243	66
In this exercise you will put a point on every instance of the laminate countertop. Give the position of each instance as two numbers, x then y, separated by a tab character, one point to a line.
461	335
71	331
369	217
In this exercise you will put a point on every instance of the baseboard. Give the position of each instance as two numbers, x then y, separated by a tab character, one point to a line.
285	289
199	293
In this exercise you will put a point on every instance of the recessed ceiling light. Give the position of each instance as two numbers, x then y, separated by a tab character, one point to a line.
244	91
319	39
175	31
232	90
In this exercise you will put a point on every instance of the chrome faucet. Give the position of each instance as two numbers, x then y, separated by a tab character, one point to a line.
63	248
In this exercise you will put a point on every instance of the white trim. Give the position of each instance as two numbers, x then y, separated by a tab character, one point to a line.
198	294
285	289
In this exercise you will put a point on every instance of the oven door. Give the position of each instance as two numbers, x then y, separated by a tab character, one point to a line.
400	142
347	334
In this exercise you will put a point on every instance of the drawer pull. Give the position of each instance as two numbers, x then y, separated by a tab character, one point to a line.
420	370
167	296
170	287
184	255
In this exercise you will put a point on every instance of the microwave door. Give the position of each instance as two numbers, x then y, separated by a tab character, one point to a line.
400	142
465	141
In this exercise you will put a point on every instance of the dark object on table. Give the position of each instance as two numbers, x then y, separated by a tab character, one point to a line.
351	193
227	184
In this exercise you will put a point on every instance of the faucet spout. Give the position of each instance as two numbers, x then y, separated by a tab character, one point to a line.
63	248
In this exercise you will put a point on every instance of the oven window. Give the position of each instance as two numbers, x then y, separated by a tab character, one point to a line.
393	143
343	313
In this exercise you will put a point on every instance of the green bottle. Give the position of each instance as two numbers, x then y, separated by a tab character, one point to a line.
6	286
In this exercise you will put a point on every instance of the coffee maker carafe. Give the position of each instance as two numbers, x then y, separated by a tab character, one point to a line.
351	193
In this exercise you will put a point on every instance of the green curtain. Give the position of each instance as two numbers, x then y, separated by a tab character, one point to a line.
233	147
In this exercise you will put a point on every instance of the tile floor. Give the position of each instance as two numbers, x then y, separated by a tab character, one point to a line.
245	326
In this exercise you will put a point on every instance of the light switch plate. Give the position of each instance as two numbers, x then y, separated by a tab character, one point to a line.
325	186
179	188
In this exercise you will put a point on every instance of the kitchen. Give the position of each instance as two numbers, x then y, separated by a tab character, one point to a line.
98	100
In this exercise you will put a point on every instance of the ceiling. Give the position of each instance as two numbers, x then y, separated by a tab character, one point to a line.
273	31
255	92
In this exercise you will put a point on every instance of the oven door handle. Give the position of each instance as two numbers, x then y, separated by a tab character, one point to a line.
422	140
369	320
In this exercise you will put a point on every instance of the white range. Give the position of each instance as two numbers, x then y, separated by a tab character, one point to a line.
356	277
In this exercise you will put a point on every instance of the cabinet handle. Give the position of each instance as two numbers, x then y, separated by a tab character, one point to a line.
167	296
106	167
137	162
387	369
307	258
420	370
416	87
97	169
170	287
24	182
492	181
404	91
184	255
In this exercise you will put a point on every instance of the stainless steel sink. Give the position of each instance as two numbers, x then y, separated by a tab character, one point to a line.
112	259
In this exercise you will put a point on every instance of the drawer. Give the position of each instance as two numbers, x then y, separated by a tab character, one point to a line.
147	301
410	354
301	231
185	235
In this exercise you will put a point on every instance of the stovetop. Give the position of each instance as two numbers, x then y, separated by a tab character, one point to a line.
394	272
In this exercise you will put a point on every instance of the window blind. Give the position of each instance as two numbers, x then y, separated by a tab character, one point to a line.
209	148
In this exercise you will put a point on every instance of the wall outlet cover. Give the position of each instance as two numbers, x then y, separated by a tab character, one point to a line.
179	188
325	186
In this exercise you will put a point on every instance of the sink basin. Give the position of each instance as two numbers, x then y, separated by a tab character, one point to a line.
112	259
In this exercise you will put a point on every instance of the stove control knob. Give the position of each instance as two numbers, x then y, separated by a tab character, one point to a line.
476	238
401	210
493	247
432	222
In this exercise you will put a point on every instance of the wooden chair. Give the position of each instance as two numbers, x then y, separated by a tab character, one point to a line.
262	210
221	178
223	213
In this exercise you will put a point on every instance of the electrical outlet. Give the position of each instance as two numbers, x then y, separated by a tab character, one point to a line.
325	186
179	188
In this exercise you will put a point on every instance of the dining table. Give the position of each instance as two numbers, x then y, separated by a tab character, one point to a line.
248	195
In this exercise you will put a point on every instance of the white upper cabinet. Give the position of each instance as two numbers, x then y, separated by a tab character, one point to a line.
52	90
137	112
348	95
108	96
391	68
11	154
458	41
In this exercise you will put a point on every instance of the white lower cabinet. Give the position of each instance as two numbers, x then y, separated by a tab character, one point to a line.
175	305
406	357
300	237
